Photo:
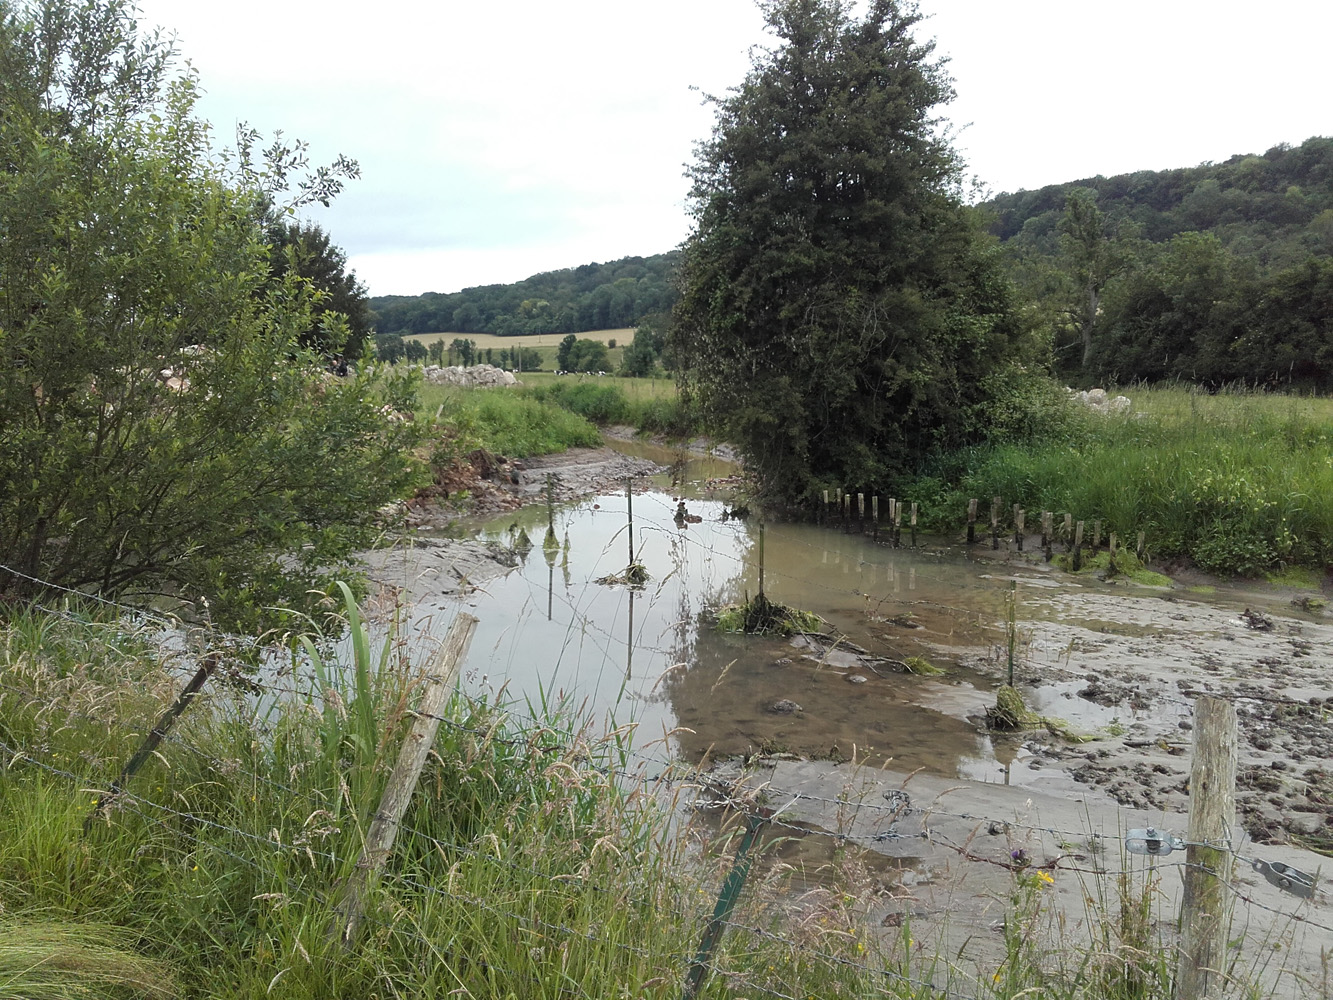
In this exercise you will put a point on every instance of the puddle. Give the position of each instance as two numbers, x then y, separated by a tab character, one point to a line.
549	634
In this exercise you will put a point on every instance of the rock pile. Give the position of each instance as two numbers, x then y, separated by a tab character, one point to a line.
1097	400
477	375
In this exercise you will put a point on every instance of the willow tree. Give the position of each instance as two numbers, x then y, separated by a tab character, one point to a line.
839	308
162	428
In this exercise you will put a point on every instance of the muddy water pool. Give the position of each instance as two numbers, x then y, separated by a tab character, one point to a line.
551	634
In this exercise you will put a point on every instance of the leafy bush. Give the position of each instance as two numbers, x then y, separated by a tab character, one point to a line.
164	430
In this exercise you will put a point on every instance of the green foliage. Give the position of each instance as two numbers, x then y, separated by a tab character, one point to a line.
590	297
268	808
304	249
1240	484
605	403
641	357
565	351
1220	273
839	309
51	960
390	348
505	423
587	356
164	428
760	616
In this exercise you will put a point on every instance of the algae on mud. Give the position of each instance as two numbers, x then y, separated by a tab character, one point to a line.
760	616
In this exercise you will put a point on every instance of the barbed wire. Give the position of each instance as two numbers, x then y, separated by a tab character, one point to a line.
132	801
585	621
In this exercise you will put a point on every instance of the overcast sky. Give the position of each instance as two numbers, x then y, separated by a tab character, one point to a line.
497	140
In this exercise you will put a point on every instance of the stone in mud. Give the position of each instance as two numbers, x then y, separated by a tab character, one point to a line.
855	678
785	706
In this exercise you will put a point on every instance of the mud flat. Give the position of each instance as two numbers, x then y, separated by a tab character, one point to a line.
939	863
1125	668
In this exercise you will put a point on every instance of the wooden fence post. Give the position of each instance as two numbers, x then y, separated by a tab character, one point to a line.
995	522
1204	916
914	524
972	521
1078	546
403	781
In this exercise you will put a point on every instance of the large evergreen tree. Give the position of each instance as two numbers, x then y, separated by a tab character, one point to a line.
839	310
305	248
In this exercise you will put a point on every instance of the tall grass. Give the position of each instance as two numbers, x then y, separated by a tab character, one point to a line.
528	866
504	422
1239	484
606	402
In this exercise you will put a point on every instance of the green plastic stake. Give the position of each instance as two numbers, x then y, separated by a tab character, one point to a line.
726	902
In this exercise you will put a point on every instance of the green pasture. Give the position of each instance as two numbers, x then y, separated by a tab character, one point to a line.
545	343
1238	483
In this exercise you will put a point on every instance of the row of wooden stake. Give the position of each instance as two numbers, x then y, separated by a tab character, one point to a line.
844	506
850	508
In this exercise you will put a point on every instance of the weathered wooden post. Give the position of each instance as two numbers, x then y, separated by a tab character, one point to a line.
995	522
914	524
860	513
1139	550
874	515
1078	546
897	524
207	666
1047	531
1069	533
403	781
1020	516
1096	535
846	511
826	506
972	521
1204	917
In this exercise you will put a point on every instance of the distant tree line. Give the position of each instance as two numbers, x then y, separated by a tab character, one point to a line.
572	300
1215	274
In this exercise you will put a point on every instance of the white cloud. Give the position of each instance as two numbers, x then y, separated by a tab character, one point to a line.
497	140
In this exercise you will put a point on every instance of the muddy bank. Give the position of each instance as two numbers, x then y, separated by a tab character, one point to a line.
421	566
1126	667
938	864
696	447
492	484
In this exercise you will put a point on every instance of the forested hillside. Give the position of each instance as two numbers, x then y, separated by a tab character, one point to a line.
1216	273
572	300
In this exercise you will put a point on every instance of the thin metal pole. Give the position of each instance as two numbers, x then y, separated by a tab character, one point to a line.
629	507
761	560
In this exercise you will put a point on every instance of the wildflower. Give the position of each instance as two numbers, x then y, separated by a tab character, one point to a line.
1046	877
